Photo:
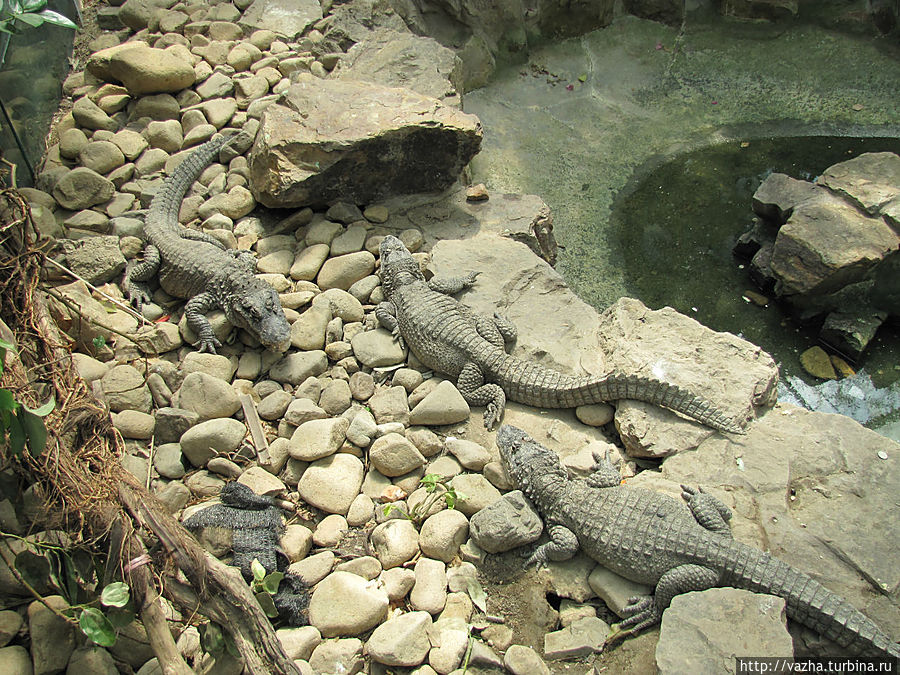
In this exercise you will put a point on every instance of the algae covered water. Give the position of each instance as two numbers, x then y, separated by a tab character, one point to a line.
673	230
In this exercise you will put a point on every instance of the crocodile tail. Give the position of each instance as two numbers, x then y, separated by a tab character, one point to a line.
538	386
807	601
167	202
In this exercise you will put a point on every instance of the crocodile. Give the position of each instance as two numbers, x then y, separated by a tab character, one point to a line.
196	266
654	539
450	338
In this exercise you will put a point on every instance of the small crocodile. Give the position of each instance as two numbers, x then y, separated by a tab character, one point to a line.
452	339
653	539
195	265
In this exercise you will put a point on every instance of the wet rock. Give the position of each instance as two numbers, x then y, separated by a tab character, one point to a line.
395	541
430	590
816	362
346	604
506	524
870	181
580	638
443	405
756	625
354	115
401	641
332	483
850	332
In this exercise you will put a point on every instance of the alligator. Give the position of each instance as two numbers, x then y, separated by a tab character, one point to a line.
450	338
651	538
195	265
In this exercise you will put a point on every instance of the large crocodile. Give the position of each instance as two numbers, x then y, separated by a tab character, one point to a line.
449	338
194	265
652	538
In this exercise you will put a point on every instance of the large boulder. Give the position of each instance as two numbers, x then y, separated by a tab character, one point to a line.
142	69
289	18
353	141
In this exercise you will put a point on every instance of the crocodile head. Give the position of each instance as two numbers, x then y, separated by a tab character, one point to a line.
398	267
527	461
257	309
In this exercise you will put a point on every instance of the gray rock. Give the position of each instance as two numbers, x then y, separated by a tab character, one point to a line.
778	194
314	568
506	524
474	493
297	366
615	590
287	18
390	405
124	389
10	624
756	625
522	660
82	188
393	455
308	332
96	259
167	460
15	660
273	406
216	365
299	643
581	638
91	661
134	424
345	604
443	405
395	542
362	429
302	410
89	115
101	156
308	262
211	438
318	110
171	423
332	483
345	270
208	396
401	641
429	593
52	637
338	656
377	348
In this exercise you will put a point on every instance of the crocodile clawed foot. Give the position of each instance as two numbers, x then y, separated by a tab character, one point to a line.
209	344
398	337
470	278
491	416
641	612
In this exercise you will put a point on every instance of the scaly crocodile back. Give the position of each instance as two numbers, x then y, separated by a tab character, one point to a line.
162	216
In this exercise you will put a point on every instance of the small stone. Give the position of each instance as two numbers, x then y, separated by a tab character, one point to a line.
343	271
470	455
376	213
816	362
430	591
338	656
296	542
581	638
393	455
442	534
508	523
398	582
362	510
303	410
522	660
401	641
308	332
444	405
477	193
262	482
395	542
273	406
362	386
595	415
318	438
474	493
299	643
314	568
134	424
297	366
167	460
211	438
52	637
332	483
346	604
10	624
377	348
210	397
390	405
309	261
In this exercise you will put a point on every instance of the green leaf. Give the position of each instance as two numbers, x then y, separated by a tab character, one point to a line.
99	342
97	627
43	410
7	400
6	345
582	78
450	499
259	572
268	605
58	19
33	5
33	20
35	431
16	436
34	568
115	594
212	638
270	583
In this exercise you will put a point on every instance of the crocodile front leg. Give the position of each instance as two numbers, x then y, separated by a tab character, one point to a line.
646	611
452	285
195	312
386	314
473	389
137	290
604	473
563	545
711	513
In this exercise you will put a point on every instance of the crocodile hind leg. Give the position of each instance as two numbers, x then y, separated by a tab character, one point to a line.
604	473
197	235
473	389
195	312
646	611
452	285
386	314
563	545
136	288
707	510
506	328
497	330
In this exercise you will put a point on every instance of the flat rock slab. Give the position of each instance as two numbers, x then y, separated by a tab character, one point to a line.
870	181
354	141
813	490
289	18
560	331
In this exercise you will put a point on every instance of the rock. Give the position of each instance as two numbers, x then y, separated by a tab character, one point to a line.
134	424
204	484
136	14
15	660
351	241
444	405
756	625
362	429
273	406
165	134
302	410
335	398
289	19
471	455
89	115
91	661
343	271
314	568
52	637
225	468
101	156
299	643
171	423
124	389
210	397
211	438
89	368
296	542
338	656
474	493
95	259
615	590
308	332
262	482
401	641
309	261
580	638
144	70
10	624
390	405
330	530
393	455
816	362
506	524
393	59
395	542
294	368
778	194
167	460
442	534
212	364
870	181
82	188
318	438
217	85
430	590
343	305
346	604
522	660
377	348
332	483
354	116
596	414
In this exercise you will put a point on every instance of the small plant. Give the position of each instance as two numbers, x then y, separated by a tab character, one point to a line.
214	640
101	626
264	587
20	424
16	15
436	486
